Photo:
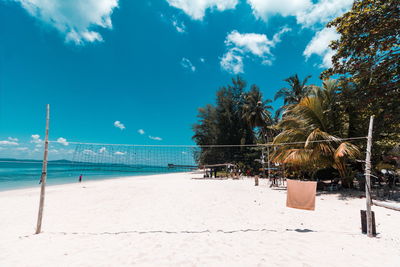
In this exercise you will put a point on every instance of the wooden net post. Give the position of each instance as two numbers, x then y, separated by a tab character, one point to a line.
368	179
44	173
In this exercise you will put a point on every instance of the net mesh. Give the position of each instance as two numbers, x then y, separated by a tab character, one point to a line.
73	159
154	159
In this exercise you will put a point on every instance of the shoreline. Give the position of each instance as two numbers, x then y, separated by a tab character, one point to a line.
63	181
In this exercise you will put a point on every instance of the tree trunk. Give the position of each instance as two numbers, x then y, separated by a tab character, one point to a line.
347	182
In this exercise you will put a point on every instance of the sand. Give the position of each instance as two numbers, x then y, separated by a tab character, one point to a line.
174	220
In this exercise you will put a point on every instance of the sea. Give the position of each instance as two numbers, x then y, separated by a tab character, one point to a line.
16	174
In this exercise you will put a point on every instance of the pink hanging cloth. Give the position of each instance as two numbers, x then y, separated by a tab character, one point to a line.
301	194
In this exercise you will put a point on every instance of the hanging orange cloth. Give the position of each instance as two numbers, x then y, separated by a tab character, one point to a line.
301	195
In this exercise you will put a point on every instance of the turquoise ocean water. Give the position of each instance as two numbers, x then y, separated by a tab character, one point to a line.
15	175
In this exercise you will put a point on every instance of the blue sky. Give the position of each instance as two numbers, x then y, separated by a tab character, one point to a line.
147	65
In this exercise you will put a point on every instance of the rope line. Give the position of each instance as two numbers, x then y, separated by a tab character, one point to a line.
201	146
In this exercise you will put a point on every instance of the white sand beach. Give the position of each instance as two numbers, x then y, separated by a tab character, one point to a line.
174	220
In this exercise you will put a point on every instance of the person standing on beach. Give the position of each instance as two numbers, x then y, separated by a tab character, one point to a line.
80	178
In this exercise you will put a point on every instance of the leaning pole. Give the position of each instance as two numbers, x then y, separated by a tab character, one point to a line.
368	178
44	173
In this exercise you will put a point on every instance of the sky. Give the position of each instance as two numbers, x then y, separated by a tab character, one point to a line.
135	72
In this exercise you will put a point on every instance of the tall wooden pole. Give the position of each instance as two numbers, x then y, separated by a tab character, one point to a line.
368	178
44	173
268	162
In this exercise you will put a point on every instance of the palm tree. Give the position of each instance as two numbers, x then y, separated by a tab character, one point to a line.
256	111
294	93
308	134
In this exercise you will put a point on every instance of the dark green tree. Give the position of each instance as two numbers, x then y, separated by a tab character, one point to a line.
231	122
229	106
367	58
206	133
256	112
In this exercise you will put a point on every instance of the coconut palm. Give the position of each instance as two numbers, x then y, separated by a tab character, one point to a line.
293	94
310	132
256	111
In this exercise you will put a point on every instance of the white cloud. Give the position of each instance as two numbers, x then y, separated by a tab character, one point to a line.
319	46
76	19
178	25
257	44
89	152
232	61
119	125
119	153
196	9
68	151
13	139
155	138
266	8
323	12
102	150
140	131
240	45
8	143
22	148
187	64
35	138
62	141
306	12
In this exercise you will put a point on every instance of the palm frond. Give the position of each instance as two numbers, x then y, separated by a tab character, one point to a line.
347	150
299	157
283	92
321	141
311	110
290	136
291	123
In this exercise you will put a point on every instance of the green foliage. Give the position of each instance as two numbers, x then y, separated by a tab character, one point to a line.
293	94
256	112
232	121
311	131
229	109
367	60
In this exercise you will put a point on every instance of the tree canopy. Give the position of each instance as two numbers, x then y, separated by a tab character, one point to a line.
239	117
315	122
367	60
310	137
293	94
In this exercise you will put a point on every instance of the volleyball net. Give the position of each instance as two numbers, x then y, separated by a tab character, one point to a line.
90	157
133	158
98	158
